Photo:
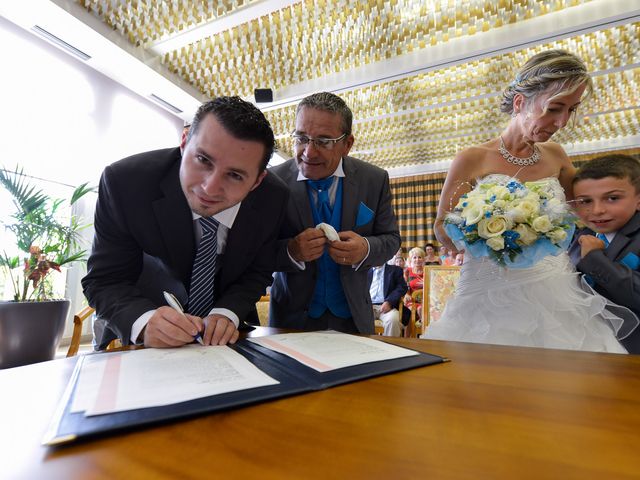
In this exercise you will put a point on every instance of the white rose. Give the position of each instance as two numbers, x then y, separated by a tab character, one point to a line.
542	224
496	243
524	210
500	204
500	192
473	214
494	226
469	202
527	234
557	235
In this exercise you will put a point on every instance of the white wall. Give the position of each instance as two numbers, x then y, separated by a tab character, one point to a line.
64	122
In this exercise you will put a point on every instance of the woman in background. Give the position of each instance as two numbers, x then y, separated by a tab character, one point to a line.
430	257
414	275
450	259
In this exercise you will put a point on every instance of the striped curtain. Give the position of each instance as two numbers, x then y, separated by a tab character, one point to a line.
415	201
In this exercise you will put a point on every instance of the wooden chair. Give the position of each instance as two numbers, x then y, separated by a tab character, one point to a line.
262	306
439	285
417	314
78	320
379	328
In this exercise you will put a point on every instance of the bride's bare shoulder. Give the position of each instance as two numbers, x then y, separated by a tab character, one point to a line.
472	159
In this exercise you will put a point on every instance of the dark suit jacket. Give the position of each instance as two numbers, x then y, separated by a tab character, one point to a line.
144	243
614	280
292	289
394	286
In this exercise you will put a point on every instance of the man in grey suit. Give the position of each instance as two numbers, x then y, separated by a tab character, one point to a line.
322	283
200	221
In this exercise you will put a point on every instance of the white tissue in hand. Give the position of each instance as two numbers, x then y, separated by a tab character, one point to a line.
329	231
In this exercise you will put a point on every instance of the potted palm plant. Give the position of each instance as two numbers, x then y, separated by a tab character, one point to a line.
31	324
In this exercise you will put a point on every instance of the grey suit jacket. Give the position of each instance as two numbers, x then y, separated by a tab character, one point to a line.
292	289
144	243
614	280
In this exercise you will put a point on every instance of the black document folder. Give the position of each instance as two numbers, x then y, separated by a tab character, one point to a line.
293	376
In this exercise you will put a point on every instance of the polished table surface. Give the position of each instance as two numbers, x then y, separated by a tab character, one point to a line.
492	412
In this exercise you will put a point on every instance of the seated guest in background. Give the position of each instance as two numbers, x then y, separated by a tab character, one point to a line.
387	287
430	257
392	260
450	259
199	221
607	200
398	261
414	276
442	253
459	259
322	284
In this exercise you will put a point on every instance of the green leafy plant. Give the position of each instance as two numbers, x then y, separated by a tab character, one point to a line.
45	242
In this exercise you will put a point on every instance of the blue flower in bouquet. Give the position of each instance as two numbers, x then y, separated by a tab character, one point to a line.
516	224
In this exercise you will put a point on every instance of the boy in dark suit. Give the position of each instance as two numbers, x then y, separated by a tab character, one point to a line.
607	200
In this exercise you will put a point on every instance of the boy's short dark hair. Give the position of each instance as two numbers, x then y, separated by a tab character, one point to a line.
615	165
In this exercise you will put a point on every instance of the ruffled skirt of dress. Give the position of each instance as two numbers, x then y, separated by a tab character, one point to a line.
541	306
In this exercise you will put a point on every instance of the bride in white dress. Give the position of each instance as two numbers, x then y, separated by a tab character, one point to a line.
543	305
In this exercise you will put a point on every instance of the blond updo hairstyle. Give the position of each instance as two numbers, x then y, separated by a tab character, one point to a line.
416	251
556	72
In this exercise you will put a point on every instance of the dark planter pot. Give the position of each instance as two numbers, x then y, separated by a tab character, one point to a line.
30	331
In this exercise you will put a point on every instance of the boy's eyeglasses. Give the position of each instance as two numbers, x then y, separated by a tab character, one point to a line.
324	143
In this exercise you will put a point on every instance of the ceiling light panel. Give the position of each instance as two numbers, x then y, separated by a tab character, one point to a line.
424	117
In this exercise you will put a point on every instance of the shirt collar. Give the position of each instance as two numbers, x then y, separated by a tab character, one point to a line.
339	172
225	217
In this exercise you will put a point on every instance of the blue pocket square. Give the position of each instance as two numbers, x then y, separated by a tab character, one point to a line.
631	260
365	215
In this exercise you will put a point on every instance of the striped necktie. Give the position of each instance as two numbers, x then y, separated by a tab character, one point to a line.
203	271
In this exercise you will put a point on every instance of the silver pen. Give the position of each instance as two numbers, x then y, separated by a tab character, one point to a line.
175	304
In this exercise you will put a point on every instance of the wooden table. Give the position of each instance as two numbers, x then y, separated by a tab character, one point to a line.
493	412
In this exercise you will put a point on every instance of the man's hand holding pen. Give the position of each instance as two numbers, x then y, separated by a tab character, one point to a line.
172	327
169	328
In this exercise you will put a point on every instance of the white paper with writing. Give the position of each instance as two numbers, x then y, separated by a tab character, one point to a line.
153	377
329	350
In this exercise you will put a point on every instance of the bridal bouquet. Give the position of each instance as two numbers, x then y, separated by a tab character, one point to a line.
516	224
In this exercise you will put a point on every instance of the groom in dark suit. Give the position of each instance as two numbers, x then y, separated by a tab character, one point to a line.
199	221
320	282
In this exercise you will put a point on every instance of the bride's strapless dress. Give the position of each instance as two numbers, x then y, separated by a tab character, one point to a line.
540	306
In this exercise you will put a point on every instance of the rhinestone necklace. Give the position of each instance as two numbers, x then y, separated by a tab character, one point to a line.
522	162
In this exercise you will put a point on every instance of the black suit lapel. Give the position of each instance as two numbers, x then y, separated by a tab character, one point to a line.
239	238
386	280
175	220
623	237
